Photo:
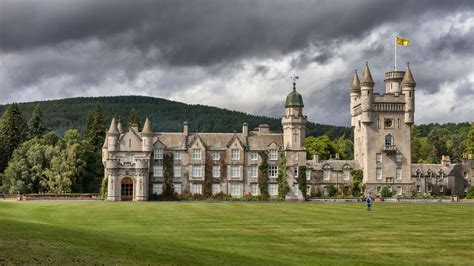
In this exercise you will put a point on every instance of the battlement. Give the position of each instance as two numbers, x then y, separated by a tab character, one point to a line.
394	75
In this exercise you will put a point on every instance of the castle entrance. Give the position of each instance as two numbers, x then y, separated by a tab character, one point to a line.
127	189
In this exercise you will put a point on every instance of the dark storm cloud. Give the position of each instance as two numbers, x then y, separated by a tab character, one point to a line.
201	32
186	49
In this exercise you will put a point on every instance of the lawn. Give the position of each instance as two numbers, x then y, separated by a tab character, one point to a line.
235	233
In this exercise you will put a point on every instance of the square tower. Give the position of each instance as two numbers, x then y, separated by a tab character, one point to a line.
382	131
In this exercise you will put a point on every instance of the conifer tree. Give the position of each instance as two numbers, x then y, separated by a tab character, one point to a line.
12	133
470	140
35	124
95	129
88	132
134	118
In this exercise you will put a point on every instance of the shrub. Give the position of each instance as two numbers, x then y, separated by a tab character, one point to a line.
332	190
470	193
386	192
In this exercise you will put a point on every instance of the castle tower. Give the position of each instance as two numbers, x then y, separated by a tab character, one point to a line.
294	130
147	136
112	136
382	131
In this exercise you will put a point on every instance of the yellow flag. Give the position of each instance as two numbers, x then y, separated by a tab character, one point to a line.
402	41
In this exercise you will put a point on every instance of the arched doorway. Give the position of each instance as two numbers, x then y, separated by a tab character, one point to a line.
127	189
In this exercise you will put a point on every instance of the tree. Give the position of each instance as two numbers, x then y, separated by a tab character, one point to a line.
12	133
332	191
302	180
322	145
356	184
208	177
470	140
89	130
35	124
263	174
168	190
282	177
345	148
134	118
95	129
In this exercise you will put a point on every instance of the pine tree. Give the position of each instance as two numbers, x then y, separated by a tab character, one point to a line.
13	131
134	118
470	140
95	129
88	132
35	124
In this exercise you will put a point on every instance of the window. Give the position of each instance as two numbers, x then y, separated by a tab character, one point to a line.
326	174
196	188
295	171
345	174
235	171
197	171
216	188
379	189
254	189
418	188
296	190
177	171
399	174
441	189
378	173
273	189
273	156
129	143
197	154
216	155
130	158
325	190
399	190
177	155
235	154
157	189
399	158
430	188
158	154
254	155
378	158
466	188
389	140
272	171
308	190
158	170
254	170
177	188
466	175
216	171
388	123
308	175
235	190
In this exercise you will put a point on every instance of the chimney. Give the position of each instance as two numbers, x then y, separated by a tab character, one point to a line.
316	157
264	128
445	160
245	129
337	156
185	128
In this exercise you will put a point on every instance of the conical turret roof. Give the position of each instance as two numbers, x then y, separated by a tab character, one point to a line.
119	127
355	86
408	77
147	126
367	77
113	127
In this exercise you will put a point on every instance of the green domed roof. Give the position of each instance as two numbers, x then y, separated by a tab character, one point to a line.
294	99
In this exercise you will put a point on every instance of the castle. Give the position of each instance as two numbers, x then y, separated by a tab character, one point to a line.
134	161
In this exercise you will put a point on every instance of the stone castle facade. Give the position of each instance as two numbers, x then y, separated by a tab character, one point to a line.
134	160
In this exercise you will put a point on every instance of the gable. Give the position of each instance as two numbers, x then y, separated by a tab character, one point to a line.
130	141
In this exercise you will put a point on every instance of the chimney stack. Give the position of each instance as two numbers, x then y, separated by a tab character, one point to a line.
185	128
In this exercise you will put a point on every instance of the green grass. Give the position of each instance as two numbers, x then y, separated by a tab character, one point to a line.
235	233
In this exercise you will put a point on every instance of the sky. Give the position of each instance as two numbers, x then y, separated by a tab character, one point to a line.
238	55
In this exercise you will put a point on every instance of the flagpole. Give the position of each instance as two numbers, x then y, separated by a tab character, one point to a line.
395	43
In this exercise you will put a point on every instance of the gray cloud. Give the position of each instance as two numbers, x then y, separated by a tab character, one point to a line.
194	51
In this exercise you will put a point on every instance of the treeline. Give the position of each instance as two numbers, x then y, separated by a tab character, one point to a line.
34	159
165	115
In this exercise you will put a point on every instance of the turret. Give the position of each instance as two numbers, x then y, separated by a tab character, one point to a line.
366	91
112	136
119	127
294	122
147	136
408	86
392	82
354	94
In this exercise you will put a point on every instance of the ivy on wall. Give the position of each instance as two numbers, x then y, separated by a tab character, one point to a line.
168	160
302	180
282	178
356	184
263	174
223	166
208	176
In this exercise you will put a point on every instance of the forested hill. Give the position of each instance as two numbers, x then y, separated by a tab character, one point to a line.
165	115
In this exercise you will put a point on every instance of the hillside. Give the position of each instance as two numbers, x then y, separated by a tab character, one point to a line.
165	115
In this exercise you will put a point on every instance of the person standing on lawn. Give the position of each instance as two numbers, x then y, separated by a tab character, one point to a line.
368	200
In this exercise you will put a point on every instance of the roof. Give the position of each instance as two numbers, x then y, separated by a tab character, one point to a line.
367	77
113	127
147	127
355	86
333	164
408	77
450	170
294	99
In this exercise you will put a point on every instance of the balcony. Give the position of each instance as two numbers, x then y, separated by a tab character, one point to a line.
390	148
